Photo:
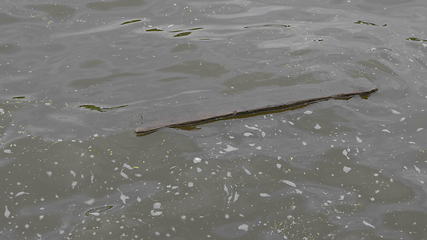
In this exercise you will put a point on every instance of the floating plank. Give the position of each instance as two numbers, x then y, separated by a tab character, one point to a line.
252	112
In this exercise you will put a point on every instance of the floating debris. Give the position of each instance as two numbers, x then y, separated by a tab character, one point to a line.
416	39
368	224
153	30
243	227
346	169
368	23
230	148
196	28
100	109
6	212
269	25
97	211
264	195
131	21
19	97
292	184
155	213
182	34
252	112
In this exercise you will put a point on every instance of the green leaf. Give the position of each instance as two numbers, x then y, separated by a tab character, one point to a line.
416	39
182	34
366	23
154	30
131	21
194	29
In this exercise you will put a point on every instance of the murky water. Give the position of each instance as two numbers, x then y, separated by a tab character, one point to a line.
77	77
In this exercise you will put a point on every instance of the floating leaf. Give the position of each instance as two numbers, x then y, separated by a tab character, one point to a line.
100	109
19	97
97	211
116	107
154	30
131	21
186	33
269	25
196	28
182	34
416	39
92	107
366	23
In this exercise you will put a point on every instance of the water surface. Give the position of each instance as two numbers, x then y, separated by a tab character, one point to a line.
77	77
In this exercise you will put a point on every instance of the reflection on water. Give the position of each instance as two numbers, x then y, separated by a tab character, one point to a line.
77	77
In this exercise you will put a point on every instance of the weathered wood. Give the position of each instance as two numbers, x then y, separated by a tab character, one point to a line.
252	112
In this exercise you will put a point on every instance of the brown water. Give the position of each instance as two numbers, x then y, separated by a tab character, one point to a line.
77	77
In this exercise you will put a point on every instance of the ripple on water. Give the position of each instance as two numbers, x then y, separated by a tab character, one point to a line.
76	79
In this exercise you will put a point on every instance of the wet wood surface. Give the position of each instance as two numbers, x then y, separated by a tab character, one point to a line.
212	117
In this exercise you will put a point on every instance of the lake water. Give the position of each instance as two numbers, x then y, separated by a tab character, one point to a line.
77	77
